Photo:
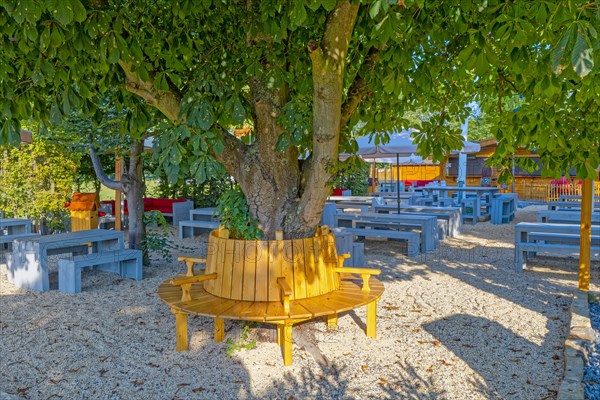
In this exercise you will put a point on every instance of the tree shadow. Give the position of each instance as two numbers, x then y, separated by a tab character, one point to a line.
483	343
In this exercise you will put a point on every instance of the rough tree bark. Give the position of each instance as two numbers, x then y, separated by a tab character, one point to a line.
132	185
283	193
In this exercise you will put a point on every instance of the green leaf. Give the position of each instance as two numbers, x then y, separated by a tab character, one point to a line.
582	57
560	53
79	12
205	116
389	83
328	4
298	13
61	10
239	113
374	8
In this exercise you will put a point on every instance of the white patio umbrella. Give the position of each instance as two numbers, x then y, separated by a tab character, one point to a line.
400	143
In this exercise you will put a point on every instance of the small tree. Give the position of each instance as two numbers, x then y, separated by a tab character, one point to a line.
36	181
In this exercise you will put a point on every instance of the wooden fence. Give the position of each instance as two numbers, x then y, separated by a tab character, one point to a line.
553	192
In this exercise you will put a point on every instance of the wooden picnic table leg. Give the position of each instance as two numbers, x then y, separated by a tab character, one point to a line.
181	330
219	330
372	319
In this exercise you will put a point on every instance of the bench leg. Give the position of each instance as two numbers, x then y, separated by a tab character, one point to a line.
219	330
284	339
520	259
332	320
280	336
132	268
69	277
372	319
181	330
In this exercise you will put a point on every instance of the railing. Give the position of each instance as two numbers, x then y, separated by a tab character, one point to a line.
554	192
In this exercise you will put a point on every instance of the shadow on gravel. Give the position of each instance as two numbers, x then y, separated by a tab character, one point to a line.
484	344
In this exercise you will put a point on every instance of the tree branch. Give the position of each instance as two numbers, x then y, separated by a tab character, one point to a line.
166	102
102	177
234	153
358	89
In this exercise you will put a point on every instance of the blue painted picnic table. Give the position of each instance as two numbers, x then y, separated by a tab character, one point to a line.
424	223
28	265
13	226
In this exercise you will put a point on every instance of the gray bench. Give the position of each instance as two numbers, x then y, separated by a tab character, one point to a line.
504	208
564	217
125	262
413	239
531	238
8	239
189	228
427	226
452	215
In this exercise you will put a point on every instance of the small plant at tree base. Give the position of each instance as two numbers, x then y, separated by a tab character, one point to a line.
235	216
242	343
157	239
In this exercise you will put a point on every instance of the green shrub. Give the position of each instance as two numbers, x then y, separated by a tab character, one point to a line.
157	235
236	217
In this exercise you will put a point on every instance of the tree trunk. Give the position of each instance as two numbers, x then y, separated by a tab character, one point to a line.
132	185
134	189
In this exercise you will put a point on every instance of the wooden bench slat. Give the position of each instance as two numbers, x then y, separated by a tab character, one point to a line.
249	271
261	289
275	269
312	284
299	272
228	265
238	265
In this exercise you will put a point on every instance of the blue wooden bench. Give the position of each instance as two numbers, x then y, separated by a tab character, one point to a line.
413	239
125	262
7	239
189	228
503	208
471	209
531	238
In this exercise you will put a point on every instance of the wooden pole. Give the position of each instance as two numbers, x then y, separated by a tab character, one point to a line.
117	210
586	232
373	171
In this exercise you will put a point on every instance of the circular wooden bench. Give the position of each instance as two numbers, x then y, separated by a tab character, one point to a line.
282	282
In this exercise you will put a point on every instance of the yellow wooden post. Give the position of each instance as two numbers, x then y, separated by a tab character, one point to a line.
219	329
287	343
117	210
332	320
372	319
181	330
585	238
280	334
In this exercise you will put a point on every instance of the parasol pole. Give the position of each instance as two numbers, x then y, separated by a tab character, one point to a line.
398	180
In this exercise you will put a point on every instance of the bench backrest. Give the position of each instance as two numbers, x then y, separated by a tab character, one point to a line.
248	269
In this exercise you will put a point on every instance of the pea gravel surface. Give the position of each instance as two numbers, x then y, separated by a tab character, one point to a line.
456	323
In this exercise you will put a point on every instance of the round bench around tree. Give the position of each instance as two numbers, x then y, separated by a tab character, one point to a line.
282	282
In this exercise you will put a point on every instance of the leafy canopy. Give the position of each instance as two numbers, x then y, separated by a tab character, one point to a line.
195	60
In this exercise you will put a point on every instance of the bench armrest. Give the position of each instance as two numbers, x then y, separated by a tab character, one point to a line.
186	284
286	292
341	259
190	262
193	279
365	273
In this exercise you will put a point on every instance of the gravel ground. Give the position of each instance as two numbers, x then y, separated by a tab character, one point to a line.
591	378
457	323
